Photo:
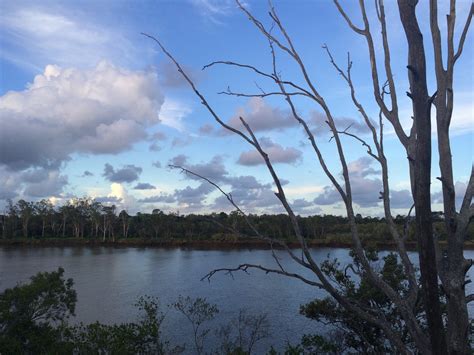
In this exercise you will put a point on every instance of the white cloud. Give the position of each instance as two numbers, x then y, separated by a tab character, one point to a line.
260	116
45	35
462	120
275	151
63	111
123	199
214	10
31	183
173	113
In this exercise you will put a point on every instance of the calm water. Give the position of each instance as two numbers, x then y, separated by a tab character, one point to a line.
109	280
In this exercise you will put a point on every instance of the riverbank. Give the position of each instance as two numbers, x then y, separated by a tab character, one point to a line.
197	243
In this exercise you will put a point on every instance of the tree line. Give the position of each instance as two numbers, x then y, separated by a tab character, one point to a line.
86	218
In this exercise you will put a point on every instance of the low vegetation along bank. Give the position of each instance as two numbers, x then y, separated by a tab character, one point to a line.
88	222
202	244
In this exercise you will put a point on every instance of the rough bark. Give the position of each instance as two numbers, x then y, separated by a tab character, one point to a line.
422	183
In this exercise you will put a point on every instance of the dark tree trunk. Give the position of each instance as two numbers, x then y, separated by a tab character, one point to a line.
422	174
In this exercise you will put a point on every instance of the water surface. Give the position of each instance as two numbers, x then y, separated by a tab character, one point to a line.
109	280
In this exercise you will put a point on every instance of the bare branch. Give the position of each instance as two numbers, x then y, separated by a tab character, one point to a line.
364	143
361	31
273	77
262	28
229	92
245	268
191	83
464	34
254	229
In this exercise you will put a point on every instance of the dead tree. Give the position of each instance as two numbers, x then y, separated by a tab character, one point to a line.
437	268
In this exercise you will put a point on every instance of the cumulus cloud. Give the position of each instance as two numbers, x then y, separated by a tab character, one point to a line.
213	170
259	200
262	117
31	183
87	173
156	164
108	199
8	184
50	184
206	129
120	197
163	198
179	160
401	199
304	207
365	188
328	197
181	141
193	195
246	182
173	112
189	198
362	168
154	139
144	186
275	151
459	189
246	190
127	173
102	110
318	125
170	77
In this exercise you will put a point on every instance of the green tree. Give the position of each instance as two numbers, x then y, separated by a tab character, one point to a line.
45	210
25	210
142	337
352	333
198	312
29	312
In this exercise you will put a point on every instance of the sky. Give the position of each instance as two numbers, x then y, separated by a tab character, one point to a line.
91	107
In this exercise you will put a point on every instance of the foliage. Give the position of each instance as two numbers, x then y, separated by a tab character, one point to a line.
353	333
198	312
29	312
240	335
33	320
142	337
87	218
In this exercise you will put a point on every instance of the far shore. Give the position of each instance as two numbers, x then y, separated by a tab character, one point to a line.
200	244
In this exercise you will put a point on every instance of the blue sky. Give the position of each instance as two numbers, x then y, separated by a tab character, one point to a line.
89	107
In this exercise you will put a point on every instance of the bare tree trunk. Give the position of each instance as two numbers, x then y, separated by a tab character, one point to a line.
105	229
453	270
64	226
422	162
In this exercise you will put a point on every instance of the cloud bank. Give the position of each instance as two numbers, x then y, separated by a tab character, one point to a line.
64	111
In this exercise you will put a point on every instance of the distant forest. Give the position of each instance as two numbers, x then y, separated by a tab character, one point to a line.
85	218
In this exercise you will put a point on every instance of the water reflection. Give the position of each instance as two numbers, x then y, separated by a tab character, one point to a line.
109	280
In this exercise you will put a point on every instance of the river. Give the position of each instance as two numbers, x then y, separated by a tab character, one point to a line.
109	280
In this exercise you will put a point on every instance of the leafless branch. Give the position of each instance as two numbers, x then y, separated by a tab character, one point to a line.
229	92
196	91
273	77
462	39
246	267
